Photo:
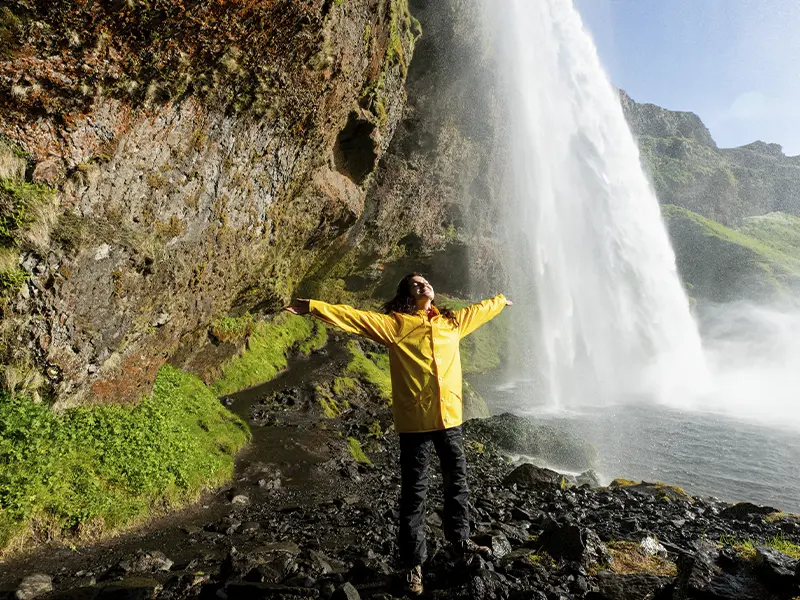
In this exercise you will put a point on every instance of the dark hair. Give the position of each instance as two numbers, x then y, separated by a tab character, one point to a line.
403	301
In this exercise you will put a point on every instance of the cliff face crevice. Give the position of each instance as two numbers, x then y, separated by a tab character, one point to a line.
200	157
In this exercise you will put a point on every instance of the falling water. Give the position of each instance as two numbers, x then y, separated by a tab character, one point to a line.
613	318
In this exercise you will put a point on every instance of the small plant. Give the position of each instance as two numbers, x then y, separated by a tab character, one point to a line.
11	282
19	204
375	430
198	139
171	228
231	329
156	181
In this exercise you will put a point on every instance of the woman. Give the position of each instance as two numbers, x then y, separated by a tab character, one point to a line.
425	367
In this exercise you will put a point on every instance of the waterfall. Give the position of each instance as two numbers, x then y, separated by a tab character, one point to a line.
612	318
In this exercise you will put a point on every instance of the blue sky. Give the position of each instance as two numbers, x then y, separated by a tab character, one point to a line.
736	63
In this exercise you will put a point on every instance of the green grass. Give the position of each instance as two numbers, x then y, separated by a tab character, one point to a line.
265	354
767	252
777	231
11	282
100	468
372	367
318	338
746	548
18	203
628	558
759	261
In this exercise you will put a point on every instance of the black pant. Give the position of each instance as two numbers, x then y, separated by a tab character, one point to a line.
414	453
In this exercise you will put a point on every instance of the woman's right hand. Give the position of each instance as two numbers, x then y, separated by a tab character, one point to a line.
299	307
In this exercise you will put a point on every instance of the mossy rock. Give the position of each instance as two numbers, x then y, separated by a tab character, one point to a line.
658	489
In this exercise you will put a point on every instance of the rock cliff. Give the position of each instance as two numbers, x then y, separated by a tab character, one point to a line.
726	185
167	162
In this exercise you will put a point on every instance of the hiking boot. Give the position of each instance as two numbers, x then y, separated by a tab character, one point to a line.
467	547
414	581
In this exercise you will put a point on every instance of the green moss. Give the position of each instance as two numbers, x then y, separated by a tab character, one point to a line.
344	385
375	430
658	489
229	329
746	548
18	203
356	452
317	340
265	354
107	466
403	33
541	559
620	482
781	516
372	367
332	407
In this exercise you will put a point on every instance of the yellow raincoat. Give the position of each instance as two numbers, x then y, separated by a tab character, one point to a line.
424	357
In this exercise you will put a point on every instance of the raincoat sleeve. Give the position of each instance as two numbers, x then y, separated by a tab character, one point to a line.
381	328
472	317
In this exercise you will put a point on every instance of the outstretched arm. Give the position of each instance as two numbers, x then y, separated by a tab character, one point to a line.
376	326
472	317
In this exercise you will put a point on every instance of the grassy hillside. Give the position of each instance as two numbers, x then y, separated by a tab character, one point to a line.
758	261
93	469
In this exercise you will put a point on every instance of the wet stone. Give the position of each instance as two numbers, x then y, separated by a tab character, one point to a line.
146	562
346	592
33	586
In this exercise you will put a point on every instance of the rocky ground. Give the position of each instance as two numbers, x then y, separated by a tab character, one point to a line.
306	517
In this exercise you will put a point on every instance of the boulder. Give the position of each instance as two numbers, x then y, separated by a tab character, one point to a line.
574	543
146	562
702	577
776	569
496	541
530	476
33	586
519	435
589	478
134	588
638	586
743	510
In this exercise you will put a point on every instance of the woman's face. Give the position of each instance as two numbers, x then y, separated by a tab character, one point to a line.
420	288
